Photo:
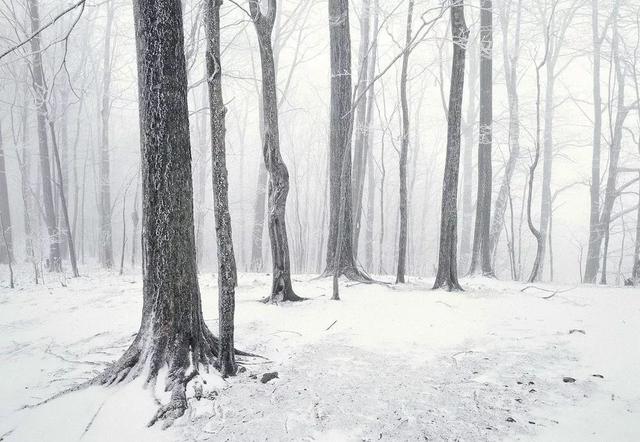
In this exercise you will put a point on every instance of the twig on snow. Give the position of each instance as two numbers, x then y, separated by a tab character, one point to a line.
332	324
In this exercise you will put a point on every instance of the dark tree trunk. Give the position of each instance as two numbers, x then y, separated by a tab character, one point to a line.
481	253
281	288
341	125
40	94
511	80
404	149
6	248
104	183
172	333
224	237
447	275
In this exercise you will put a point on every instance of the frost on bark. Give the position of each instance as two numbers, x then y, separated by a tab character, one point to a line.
172	333
340	131
481	252
41	95
6	246
224	237
278	188
404	149
447	275
510	59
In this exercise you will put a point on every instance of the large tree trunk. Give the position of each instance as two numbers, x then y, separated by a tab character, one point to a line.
404	149
104	180
481	253
281	288
361	128
40	94
511	81
447	275
172	333
341	122
595	229
6	247
224	237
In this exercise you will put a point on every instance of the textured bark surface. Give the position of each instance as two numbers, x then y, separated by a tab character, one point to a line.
172	331
278	189
224	237
481	253
447	275
6	246
40	93
404	151
341	124
510	59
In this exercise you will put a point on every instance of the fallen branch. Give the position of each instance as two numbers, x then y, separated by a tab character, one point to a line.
332	324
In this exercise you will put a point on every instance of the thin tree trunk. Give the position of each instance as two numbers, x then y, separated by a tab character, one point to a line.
6	251
104	212
511	80
447	275
481	259
404	149
40	93
227	273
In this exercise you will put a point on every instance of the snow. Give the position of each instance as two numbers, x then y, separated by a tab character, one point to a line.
399	362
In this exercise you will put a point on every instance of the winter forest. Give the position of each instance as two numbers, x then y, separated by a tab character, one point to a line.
338	220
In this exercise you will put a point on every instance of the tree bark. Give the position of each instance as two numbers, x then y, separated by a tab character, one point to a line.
447	275
341	128
40	94
481	252
404	149
172	333
226	259
281	288
595	229
361	128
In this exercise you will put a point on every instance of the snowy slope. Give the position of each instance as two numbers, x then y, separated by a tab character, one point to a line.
387	362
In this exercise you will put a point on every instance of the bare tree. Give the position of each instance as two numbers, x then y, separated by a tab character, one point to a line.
447	275
6	251
173	334
510	60
226	259
40	90
404	148
281	288
481	259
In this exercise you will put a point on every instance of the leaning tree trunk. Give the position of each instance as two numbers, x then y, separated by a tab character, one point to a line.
404	149
281	289
173	334
511	81
341	125
40	94
6	247
447	275
104	193
481	252
224	237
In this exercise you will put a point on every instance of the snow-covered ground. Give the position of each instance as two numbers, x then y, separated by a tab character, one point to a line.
388	362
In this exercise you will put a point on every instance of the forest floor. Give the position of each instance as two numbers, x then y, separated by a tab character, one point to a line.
388	362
